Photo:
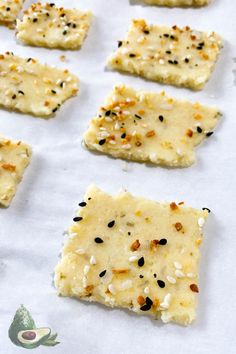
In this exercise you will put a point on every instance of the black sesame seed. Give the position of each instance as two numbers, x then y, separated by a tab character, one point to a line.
102	273
141	276
14	97
102	142
89	198
176	62
161	118
64	33
186	60
141	262
161	283
8	9
120	44
123	136
131	55
35	20
98	240
62	84
21	93
82	204
166	35
168	52
154	275
207	209
137	116
77	218
147	306
163	242
111	223
146	32
170	62
209	134
54	109
74	25
129	233
172	37
107	113
54	92
199	129
149	301
51	4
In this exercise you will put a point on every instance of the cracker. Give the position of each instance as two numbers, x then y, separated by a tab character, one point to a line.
14	158
46	25
173	3
30	87
134	253
150	127
180	57
9	10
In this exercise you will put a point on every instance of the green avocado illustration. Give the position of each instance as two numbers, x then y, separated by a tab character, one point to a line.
24	333
33	338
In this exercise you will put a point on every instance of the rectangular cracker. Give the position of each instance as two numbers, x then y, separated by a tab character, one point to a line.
176	3
150	127
30	87
121	249
180	57
9	10
14	158
45	25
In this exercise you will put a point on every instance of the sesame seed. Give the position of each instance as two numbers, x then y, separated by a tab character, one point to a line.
161	283
199	129
207	209
177	265
201	222
98	240
141	276
102	142
82	204
161	118
194	288
80	250
111	224
179	273
102	273
92	260
141	262
111	288
86	269
77	218
209	134
171	279
163	242
133	258
146	290
147	306
166	302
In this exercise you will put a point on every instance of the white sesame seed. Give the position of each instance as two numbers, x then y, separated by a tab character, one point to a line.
84	282
112	142
112	289
161	61
146	290
179	273
166	302
80	251
177	265
108	119
190	275
92	260
201	222
117	126
126	146
133	258
86	269
171	279
127	284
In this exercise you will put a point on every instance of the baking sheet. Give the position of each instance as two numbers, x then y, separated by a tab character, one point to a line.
61	169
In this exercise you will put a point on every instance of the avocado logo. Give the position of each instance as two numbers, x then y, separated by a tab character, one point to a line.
24	333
